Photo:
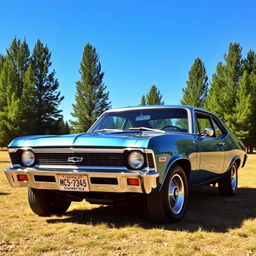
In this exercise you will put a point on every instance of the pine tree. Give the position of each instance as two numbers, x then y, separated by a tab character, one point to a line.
1	62
13	80
143	101
213	101
47	96
249	67
66	128
28	104
197	85
26	86
5	78
11	110
63	127
18	55
249	63
91	96
222	96
153	97
243	110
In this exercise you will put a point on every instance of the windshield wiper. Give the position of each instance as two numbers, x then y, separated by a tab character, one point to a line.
146	129
109	130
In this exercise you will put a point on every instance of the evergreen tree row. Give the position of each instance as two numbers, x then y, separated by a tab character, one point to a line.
29	97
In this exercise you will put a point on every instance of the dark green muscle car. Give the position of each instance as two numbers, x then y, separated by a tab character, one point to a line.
158	151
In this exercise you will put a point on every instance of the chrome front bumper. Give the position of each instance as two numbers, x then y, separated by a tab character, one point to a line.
148	180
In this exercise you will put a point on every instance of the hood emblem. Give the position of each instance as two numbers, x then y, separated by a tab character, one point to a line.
75	159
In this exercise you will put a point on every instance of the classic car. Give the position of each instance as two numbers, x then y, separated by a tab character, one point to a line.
158	152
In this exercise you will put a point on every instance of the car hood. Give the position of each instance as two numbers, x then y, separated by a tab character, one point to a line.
133	139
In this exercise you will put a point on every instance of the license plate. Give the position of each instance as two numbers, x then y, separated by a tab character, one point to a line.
73	183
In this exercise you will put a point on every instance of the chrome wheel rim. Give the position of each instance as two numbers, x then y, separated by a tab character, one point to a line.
176	193
233	178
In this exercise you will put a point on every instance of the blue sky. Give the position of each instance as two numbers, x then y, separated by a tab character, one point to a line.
140	42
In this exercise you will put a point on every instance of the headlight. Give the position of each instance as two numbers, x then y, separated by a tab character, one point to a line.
27	158
135	160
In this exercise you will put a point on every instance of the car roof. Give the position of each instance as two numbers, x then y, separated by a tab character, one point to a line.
191	108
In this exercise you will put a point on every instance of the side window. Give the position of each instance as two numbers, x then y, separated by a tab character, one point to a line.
197	131
219	130
204	121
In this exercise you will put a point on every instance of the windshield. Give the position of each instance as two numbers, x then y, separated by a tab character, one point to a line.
165	119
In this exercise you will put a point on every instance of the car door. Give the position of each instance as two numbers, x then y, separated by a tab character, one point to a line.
211	147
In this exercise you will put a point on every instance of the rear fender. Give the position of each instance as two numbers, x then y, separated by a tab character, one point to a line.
234	159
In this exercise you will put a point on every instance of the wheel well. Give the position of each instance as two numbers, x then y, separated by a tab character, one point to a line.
238	161
185	164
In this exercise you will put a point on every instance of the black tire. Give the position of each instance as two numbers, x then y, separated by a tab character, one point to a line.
229	181
169	204
46	203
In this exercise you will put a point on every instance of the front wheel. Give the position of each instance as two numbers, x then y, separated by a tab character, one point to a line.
228	183
46	203
169	204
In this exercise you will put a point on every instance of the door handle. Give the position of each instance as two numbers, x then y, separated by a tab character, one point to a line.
220	144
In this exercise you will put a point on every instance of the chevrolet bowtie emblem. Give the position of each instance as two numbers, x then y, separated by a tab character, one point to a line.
75	159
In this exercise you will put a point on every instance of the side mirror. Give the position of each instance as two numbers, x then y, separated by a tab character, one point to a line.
207	132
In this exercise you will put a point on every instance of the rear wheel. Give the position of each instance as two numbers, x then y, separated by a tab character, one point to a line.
169	204
228	183
46	203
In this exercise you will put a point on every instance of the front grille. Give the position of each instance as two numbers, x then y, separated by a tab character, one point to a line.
150	161
81	159
88	159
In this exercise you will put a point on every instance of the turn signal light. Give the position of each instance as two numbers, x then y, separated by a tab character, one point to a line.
22	177
133	182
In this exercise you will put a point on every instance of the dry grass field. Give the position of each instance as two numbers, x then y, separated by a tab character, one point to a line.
213	225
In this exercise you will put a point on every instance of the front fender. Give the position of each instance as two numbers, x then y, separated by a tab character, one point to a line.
182	159
174	148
